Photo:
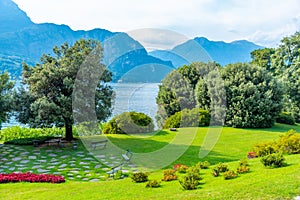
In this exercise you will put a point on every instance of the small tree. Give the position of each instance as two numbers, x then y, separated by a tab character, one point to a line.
51	85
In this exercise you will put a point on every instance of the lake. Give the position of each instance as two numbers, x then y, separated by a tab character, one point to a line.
140	97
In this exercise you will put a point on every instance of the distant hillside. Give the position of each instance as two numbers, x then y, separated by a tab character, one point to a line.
21	40
221	52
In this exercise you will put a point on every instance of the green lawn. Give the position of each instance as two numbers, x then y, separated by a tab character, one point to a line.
233	144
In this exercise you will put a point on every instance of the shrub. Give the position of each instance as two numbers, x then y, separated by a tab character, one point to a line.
203	165
169	175
188	118
265	148
129	122
286	118
191	180
273	160
180	168
16	132
242	169
139	177
290	142
220	168
229	175
153	184
243	162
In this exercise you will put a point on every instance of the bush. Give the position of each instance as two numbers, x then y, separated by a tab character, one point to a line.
28	141
220	168
32	178
286	118
16	133
191	180
265	148
229	175
290	142
273	160
129	122
243	162
169	175
188	118
203	165
153	184
139	177
242	169
180	168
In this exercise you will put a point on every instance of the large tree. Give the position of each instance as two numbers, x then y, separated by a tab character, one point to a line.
254	97
51	86
5	97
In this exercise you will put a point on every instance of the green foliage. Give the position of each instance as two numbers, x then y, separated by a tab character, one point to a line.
265	148
73	80
16	133
153	184
169	175
219	168
290	142
273	160
139	177
263	58
5	97
203	165
190	181
243	162
188	118
254	97
229	175
177	91
129	122
285	118
242	169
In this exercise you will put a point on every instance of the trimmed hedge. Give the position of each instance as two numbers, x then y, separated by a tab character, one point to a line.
188	118
286	118
129	122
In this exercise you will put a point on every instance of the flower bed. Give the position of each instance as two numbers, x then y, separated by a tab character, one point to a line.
32	178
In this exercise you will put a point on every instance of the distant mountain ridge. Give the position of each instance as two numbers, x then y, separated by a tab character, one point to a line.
21	40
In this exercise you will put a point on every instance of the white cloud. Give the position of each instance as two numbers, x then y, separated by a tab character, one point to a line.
260	21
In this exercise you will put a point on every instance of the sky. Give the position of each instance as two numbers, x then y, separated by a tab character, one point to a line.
264	22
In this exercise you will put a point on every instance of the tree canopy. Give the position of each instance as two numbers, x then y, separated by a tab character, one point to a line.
5	97
52	82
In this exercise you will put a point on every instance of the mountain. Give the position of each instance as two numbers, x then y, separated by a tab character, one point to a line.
21	40
202	49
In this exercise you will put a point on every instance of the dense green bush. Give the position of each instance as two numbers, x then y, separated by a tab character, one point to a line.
169	175
129	122
229	175
254	96
188	118
285	118
265	148
153	184
191	180
203	165
139	177
290	142
273	160
16	133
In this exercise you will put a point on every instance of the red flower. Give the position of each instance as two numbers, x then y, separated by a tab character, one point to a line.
28	177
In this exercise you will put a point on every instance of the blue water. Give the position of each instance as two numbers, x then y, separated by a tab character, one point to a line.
140	97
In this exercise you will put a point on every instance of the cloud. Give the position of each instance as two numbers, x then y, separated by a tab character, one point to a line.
218	20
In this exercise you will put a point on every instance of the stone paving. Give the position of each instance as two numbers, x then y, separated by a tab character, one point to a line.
72	164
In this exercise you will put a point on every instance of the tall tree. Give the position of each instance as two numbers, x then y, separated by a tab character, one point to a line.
263	58
51	85
5	97
254	97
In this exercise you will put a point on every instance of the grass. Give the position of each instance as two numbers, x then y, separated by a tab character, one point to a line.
233	144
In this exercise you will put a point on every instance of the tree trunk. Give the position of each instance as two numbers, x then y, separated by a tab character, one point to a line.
69	133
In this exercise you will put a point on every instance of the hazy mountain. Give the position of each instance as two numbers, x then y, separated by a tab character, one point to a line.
202	49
